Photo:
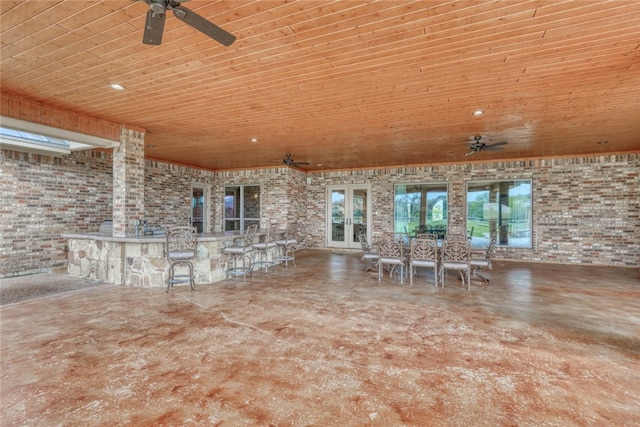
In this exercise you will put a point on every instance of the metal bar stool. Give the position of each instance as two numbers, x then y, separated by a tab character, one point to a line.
264	250
238	253
287	244
181	247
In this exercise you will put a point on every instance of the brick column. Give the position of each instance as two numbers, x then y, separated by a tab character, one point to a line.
128	181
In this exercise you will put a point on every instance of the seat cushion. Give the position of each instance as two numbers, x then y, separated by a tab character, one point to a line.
455	265
264	245
286	242
422	263
237	249
181	255
385	260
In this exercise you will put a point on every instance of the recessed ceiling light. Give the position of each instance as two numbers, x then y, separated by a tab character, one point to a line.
116	86
478	113
254	139
151	146
602	142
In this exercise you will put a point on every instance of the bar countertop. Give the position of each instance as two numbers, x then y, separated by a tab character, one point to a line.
154	238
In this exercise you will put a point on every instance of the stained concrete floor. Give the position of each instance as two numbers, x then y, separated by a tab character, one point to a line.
325	344
20	288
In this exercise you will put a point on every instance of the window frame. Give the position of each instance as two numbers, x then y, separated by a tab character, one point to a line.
431	186
241	220
520	237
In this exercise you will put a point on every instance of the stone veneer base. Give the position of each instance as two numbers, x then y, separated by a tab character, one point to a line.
140	261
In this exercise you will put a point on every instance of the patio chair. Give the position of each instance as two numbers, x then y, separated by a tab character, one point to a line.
478	263
264	255
456	256
180	248
390	251
369	256
424	254
238	253
288	243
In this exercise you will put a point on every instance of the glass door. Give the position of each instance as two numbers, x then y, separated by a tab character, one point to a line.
199	196
349	214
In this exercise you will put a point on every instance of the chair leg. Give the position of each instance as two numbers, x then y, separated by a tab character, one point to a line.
261	259
287	254
192	278
476	273
232	268
170	278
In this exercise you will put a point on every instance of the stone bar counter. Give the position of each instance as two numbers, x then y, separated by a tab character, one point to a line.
141	261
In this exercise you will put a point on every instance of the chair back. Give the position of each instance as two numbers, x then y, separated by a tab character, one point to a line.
293	235
181	242
390	248
364	245
486	261
424	249
250	235
272	233
456	251
489	253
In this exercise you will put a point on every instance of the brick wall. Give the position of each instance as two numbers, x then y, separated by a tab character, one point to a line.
282	190
589	207
43	197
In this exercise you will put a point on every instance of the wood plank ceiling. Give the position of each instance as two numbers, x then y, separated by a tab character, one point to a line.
340	84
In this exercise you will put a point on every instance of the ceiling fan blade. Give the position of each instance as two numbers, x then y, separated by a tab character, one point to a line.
470	153
153	28
490	148
497	144
301	163
201	24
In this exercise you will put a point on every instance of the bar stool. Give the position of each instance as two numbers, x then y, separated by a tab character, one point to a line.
265	248
181	247
238	254
287	244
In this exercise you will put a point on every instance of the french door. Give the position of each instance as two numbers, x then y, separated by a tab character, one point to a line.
348	215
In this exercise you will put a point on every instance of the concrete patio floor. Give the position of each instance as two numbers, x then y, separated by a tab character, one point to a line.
325	344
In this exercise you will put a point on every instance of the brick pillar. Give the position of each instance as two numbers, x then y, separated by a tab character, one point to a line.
128	181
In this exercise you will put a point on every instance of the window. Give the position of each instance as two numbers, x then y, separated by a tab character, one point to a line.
499	210
421	208
241	207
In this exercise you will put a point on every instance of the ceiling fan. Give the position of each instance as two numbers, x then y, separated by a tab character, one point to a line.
289	161
477	145
157	13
